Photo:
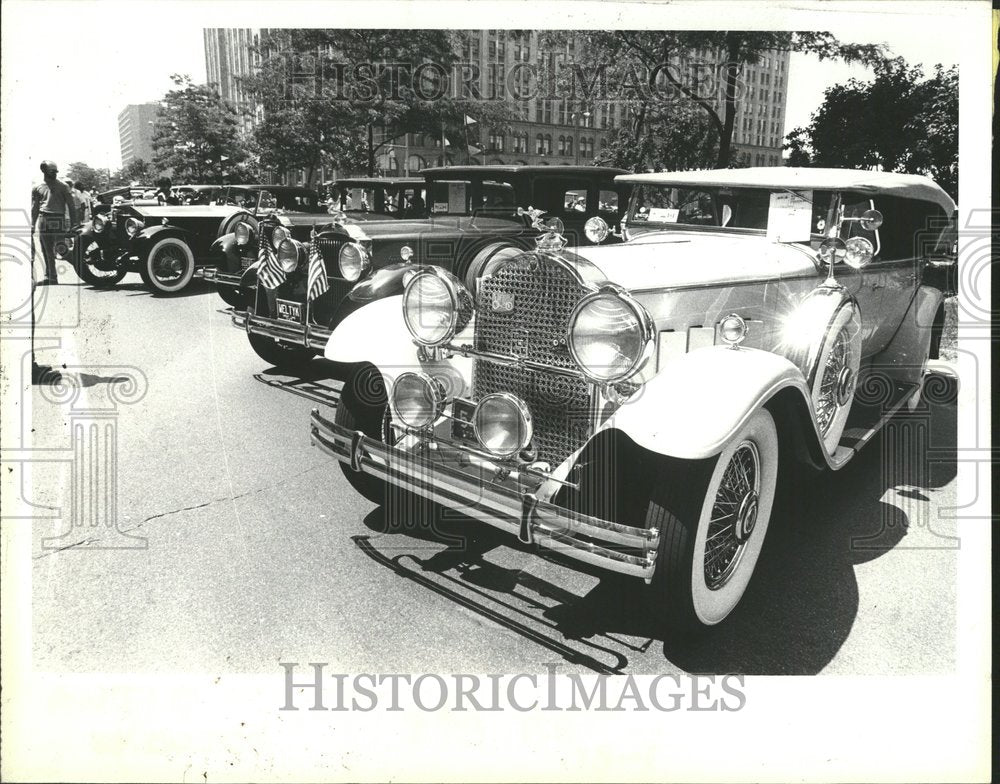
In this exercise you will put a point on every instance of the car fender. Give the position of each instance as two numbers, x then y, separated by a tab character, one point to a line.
698	401
145	239
376	333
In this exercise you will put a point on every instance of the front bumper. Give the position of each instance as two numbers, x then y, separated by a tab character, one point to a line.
218	276
518	512
307	335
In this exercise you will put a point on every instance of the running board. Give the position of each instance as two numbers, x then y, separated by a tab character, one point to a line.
866	420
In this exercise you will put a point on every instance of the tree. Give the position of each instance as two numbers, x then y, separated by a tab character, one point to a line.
898	121
86	175
674	139
646	62
198	134
339	97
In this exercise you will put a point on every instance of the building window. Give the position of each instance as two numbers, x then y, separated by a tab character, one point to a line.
540	145
569	145
496	142
562	145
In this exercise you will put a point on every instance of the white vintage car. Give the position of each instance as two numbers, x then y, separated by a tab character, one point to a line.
631	406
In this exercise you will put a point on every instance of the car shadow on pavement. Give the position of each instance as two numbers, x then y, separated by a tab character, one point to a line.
800	606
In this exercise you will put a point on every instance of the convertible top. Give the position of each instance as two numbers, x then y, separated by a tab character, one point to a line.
907	186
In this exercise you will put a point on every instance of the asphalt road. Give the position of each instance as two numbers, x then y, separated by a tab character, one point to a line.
229	544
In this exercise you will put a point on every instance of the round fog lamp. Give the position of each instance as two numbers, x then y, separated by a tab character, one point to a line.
596	230
416	400
733	330
132	226
278	235
503	424
406	253
243	233
353	261
288	255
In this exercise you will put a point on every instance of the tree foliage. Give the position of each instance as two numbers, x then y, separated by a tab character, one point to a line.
340	97
198	135
630	57
87	175
898	121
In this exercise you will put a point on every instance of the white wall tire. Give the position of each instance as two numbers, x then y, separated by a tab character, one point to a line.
834	375
713	516
169	266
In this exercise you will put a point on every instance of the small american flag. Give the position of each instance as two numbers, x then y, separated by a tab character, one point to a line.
269	272
318	283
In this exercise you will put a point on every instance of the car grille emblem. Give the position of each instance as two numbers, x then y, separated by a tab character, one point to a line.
502	302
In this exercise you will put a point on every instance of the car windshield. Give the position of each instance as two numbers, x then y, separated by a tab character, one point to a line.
396	201
781	214
463	197
265	199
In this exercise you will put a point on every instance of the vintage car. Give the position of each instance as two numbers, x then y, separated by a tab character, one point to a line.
632	406
475	214
169	245
195	194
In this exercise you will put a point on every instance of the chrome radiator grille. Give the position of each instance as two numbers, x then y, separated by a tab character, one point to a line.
523	309
329	249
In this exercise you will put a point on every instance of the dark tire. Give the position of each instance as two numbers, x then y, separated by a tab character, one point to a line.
91	274
696	584
280	355
231	296
168	266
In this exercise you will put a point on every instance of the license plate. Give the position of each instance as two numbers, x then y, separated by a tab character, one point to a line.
461	425
289	311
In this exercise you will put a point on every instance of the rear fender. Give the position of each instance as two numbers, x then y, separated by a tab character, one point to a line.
698	402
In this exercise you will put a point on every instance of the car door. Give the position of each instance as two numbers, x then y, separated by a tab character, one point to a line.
866	284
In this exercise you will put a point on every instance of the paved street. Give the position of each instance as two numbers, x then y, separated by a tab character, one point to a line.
239	545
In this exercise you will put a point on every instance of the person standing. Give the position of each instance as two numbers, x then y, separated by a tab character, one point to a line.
50	201
84	202
163	192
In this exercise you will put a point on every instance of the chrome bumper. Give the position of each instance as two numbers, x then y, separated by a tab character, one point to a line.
213	273
517	512
308	335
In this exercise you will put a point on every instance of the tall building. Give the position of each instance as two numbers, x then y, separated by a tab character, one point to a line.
551	129
135	131
229	56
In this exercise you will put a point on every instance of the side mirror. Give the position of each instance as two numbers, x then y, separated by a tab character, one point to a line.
871	220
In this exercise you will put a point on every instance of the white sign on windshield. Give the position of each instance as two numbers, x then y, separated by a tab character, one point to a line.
789	216
663	214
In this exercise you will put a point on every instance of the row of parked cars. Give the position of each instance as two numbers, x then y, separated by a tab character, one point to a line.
615	367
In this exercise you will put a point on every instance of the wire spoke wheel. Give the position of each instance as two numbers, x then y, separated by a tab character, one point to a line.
168	265
734	515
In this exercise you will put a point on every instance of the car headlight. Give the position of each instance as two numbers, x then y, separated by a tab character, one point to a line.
243	232
353	261
100	223
133	226
288	255
278	235
502	424
416	399
596	230
610	335
435	306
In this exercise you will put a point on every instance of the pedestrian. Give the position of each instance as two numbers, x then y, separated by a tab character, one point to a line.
50	201
84	202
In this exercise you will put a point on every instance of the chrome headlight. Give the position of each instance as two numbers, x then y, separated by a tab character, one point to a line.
503	424
416	399
435	306
278	235
354	260
733	330
858	253
133	226
289	252
243	232
596	230
610	335
100	223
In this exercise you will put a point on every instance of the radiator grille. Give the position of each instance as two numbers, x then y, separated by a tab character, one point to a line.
523	308
329	249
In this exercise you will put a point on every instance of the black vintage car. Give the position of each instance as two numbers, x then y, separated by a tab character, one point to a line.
169	245
474	215
195	194
378	198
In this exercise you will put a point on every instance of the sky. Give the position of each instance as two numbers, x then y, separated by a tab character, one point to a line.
62	101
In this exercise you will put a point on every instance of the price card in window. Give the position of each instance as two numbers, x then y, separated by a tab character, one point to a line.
440	206
456	198
789	216
663	214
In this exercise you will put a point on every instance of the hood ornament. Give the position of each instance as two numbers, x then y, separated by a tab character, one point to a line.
552	230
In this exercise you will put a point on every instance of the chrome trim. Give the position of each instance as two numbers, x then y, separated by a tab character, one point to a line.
522	409
466	350
454	288
503	507
743	325
310	335
645	323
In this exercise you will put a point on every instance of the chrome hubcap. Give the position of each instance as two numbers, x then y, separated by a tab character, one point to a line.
733	517
845	386
837	382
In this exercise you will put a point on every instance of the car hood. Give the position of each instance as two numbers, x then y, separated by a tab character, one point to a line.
191	211
684	259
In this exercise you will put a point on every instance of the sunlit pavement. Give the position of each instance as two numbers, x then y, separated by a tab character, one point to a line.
194	528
